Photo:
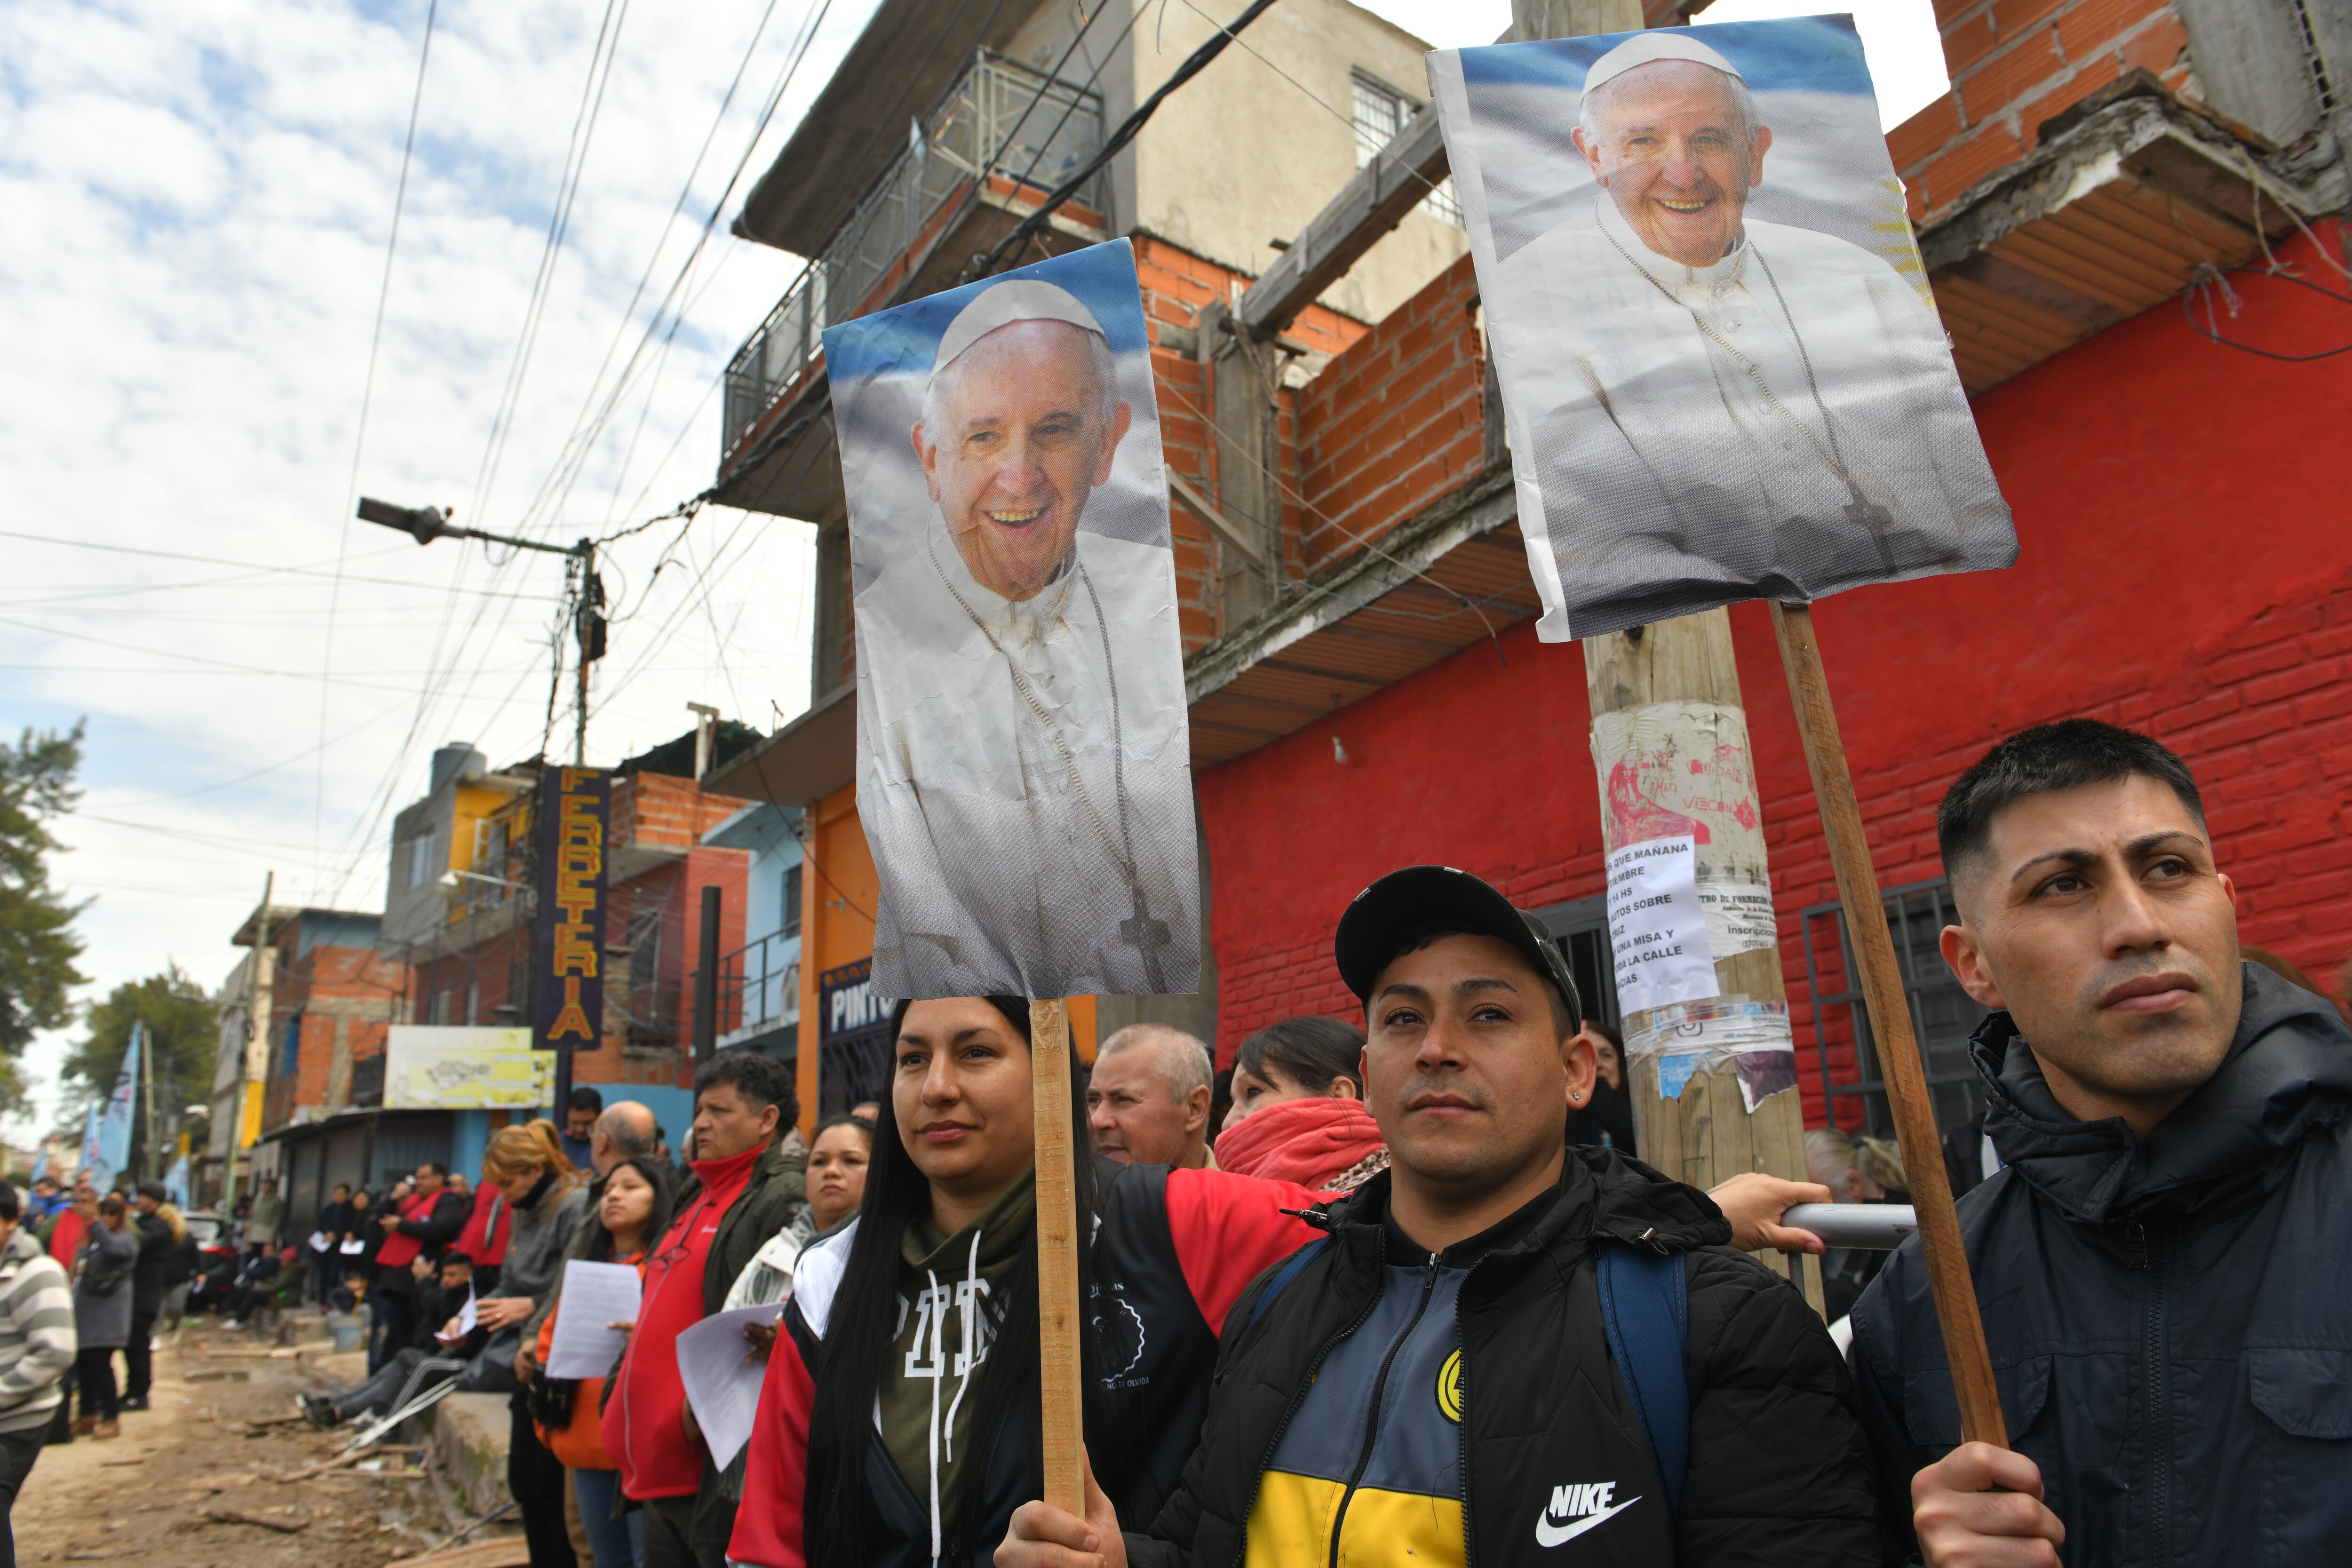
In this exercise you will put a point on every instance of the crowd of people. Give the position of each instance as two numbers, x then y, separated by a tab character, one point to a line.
1401	1288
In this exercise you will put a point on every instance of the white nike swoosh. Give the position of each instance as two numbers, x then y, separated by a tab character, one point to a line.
1548	1535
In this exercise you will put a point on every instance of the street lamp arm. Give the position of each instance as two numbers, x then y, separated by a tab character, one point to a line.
428	523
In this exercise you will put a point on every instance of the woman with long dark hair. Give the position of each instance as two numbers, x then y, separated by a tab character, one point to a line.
899	1423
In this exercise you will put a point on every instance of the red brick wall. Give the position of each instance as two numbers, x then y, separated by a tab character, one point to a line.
2013	64
349	975
1395	422
1176	284
657	808
2199	587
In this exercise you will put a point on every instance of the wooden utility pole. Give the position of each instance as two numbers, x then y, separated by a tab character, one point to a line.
1678	679
260	978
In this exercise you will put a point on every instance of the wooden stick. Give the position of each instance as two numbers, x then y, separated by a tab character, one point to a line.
1059	1389
1890	1025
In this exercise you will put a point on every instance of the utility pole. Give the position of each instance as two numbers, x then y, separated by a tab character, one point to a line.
589	626
1672	690
260	980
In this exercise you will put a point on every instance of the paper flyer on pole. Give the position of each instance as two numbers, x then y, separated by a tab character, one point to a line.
1723	377
1024	772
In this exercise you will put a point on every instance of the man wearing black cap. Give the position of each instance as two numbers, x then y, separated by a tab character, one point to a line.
146	1294
1500	1345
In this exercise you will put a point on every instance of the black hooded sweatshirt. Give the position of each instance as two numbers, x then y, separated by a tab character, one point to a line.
1531	1418
2170	1318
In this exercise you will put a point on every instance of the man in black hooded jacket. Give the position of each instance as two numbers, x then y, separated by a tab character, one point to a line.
2165	1260
1435	1382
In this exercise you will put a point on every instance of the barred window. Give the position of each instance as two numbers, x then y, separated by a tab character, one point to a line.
1380	112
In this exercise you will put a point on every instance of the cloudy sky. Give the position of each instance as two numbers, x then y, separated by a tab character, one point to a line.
199	199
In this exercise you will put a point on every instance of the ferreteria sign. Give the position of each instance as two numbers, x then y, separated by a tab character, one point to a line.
568	950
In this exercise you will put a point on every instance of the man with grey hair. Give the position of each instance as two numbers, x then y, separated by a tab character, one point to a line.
1709	407
623	1132
1148	1099
1024	778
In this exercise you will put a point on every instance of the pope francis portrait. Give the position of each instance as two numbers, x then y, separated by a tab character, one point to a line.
1718	407
1025	777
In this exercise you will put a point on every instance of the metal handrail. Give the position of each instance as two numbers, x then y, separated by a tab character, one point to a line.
1001	120
759	985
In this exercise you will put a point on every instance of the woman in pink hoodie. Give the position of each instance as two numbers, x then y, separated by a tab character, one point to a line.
1299	1111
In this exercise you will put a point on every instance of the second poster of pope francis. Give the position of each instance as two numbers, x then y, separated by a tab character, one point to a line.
1024	775
1723	377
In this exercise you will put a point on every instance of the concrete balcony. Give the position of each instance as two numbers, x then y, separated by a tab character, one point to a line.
996	145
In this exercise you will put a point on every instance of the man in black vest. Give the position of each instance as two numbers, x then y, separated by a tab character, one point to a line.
2165	1255
1435	1381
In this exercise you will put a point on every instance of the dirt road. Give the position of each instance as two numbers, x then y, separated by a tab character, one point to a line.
196	1483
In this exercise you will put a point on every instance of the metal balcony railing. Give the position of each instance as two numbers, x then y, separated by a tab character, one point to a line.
760	986
1003	122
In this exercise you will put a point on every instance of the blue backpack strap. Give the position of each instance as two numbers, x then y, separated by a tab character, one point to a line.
1287	1273
1645	1306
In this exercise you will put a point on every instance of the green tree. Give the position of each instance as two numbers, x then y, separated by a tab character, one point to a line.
37	945
182	1030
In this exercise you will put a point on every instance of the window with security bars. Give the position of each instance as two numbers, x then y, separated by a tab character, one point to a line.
1380	112
1942	1014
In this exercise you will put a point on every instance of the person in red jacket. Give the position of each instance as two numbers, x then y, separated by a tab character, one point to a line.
919	1435
1298	1108
484	1240
424	1222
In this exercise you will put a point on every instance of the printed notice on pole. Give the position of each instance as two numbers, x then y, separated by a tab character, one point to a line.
1657	926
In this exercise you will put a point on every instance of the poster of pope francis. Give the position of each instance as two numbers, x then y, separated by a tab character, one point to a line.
1723	377
1024	772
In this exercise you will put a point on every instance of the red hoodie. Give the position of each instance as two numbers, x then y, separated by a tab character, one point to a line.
484	1240
1309	1142
643	1431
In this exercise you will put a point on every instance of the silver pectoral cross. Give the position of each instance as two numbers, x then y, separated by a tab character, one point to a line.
1876	519
1149	935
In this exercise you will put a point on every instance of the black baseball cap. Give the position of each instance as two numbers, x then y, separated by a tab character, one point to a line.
1393	911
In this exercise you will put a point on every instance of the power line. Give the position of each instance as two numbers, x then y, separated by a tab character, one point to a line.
799	53
367	398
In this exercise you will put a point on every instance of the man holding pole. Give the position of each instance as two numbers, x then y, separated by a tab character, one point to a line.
2166	1254
1502	1342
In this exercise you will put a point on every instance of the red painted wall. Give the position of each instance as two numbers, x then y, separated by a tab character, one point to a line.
2187	569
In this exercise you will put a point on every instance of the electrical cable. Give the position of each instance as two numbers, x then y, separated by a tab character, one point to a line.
2210	280
367	398
1194	63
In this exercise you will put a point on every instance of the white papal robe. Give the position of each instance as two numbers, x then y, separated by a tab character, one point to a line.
1665	478
995	878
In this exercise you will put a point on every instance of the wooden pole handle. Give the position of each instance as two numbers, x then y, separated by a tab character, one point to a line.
1890	1025
1060	1391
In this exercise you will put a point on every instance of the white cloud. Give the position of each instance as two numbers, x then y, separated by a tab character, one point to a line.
198	201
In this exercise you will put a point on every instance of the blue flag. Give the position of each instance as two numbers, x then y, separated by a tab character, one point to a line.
113	1131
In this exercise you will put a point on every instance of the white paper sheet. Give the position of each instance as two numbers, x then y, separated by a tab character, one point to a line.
1656	925
321	1241
353	1248
595	1294
723	1377
467	1316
